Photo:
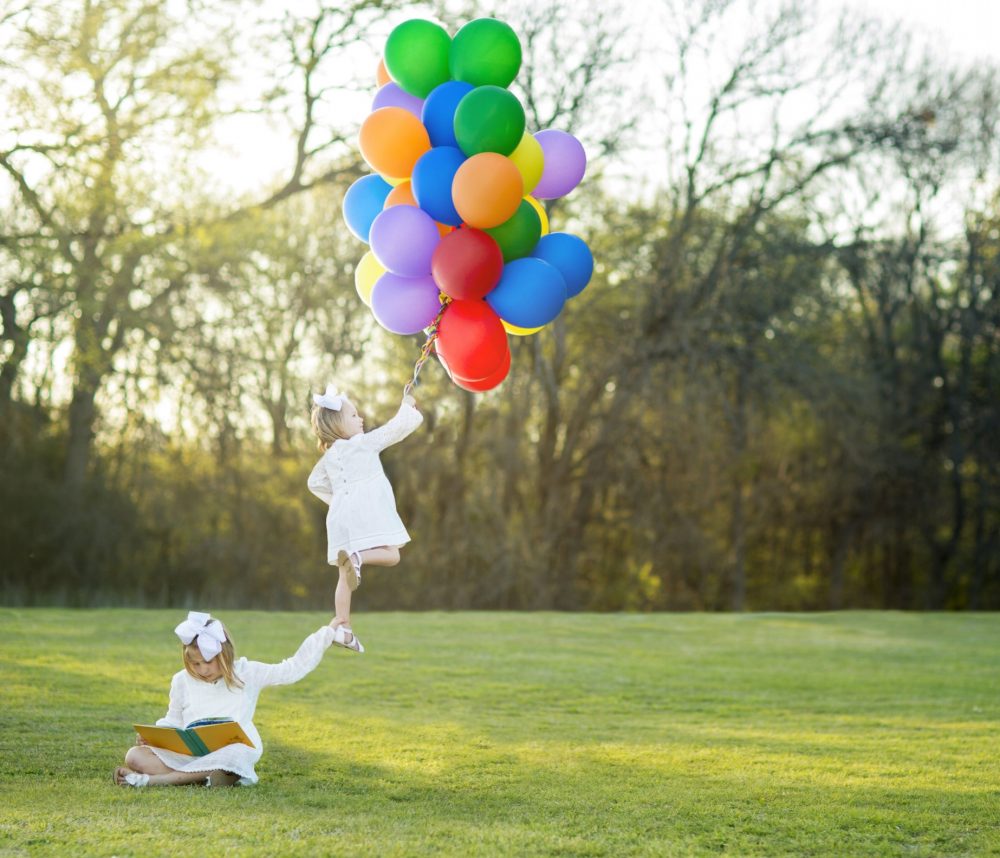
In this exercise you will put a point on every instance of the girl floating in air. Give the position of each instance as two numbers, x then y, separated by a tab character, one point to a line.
362	525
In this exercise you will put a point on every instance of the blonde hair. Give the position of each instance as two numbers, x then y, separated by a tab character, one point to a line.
328	425
227	658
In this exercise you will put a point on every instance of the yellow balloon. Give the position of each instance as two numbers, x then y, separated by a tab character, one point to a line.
394	181
544	218
368	271
529	160
519	332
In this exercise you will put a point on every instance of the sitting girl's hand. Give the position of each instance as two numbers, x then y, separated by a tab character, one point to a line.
139	741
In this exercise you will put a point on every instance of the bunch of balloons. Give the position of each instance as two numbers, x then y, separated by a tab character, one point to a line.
452	209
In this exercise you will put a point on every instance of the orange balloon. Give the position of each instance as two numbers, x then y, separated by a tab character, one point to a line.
487	190
391	141
382	74
402	195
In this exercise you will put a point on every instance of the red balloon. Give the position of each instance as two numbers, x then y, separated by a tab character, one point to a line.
467	264
489	382
471	340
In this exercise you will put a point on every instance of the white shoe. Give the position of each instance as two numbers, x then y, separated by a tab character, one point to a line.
132	779
345	637
351	564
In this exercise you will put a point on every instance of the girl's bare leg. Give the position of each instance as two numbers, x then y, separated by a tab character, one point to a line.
342	599
379	556
142	760
383	556
219	778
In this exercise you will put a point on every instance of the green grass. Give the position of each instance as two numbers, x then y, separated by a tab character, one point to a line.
529	734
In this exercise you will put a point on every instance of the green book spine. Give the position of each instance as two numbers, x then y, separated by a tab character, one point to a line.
195	745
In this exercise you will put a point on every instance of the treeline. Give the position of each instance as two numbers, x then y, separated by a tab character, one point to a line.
780	391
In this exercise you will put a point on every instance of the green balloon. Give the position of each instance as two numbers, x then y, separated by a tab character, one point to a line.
485	52
416	56
489	119
518	236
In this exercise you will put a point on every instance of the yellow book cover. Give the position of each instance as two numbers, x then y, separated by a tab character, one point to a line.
198	739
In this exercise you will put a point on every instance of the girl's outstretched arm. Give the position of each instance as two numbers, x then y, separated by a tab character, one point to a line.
292	669
395	430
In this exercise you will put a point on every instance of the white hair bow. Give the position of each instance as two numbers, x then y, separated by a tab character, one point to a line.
329	398
209	633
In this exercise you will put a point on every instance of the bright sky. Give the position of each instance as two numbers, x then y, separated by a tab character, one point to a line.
963	29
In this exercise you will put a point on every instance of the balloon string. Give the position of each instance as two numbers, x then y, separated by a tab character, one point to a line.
425	352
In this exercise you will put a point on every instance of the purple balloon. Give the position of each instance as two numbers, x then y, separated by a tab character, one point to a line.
403	239
405	305
391	95
565	164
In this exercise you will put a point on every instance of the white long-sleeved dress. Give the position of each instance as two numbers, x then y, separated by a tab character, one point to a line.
194	699
349	477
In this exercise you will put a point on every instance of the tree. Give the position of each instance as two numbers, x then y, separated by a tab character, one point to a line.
95	91
925	321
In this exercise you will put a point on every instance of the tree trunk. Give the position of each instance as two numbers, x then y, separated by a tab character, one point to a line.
737	522
19	339
841	548
739	572
82	412
278	412
985	546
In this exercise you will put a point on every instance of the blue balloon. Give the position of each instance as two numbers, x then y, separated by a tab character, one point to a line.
438	114
570	255
363	203
530	293
431	183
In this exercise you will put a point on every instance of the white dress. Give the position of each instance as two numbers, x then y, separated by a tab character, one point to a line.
349	477
194	699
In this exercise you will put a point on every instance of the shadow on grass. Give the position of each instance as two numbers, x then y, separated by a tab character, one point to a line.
623	796
475	735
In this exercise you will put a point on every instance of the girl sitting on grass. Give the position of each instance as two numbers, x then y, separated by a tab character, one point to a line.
214	685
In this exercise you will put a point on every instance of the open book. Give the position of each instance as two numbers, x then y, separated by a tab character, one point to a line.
197	739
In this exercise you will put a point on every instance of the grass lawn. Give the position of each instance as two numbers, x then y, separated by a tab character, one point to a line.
525	734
